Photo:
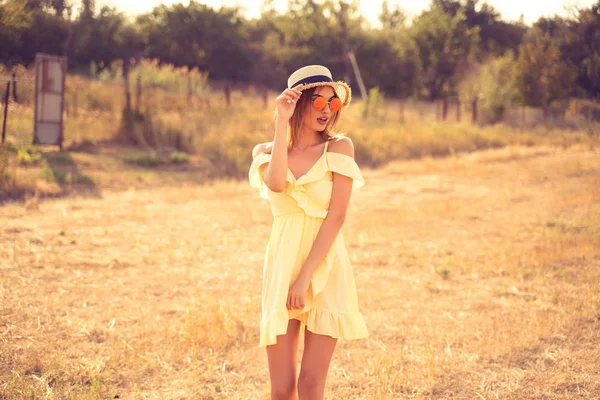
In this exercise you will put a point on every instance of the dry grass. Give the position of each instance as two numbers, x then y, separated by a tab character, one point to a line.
478	277
202	124
218	140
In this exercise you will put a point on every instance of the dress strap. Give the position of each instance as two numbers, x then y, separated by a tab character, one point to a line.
326	144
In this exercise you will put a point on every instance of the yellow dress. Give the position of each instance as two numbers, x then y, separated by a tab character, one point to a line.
331	305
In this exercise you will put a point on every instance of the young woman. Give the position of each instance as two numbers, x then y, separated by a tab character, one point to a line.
308	175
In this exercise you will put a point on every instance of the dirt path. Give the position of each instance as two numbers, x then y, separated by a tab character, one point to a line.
478	278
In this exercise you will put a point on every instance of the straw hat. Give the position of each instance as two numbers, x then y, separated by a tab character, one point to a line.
317	75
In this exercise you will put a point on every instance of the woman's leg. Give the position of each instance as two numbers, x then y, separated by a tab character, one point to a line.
318	350
282	363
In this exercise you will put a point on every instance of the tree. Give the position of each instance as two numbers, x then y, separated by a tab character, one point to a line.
391	19
27	28
197	35
310	31
444	41
15	19
496	36
492	86
59	7
582	48
88	8
541	75
398	70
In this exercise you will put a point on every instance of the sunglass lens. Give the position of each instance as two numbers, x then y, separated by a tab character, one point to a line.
335	105
319	103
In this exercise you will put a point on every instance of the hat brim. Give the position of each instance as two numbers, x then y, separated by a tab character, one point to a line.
341	88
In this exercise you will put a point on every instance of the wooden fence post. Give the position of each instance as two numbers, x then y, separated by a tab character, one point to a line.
138	94
6	100
189	94
126	83
265	97
402	110
14	85
227	95
445	107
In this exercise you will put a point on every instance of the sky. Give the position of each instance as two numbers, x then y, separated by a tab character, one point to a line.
511	10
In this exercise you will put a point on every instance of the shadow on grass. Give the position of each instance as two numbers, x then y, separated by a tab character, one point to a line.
59	167
31	172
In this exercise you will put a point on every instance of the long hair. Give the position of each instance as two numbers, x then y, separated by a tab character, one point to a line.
296	121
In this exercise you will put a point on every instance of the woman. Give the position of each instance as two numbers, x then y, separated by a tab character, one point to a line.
308	176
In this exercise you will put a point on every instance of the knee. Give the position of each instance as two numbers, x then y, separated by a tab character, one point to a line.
309	383
283	391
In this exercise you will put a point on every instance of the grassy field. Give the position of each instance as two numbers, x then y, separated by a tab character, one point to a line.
131	262
478	277
216	142
177	130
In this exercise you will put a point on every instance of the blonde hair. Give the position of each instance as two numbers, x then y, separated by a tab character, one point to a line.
297	119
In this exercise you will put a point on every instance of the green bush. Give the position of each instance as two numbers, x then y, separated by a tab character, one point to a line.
178	158
143	160
26	158
376	99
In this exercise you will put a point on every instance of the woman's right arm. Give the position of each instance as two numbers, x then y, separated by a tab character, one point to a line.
275	172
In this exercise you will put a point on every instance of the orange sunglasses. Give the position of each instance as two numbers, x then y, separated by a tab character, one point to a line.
335	104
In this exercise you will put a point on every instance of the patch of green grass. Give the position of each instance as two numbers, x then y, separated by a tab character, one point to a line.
143	160
178	158
10	185
26	158
61	158
51	175
26	154
82	179
4	170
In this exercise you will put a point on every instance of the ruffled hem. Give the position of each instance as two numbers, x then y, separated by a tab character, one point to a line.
254	176
334	162
272	327
305	202
345	165
348	326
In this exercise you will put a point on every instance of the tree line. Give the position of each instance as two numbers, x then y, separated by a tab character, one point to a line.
461	49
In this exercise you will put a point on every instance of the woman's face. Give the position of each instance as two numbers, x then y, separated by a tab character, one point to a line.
317	120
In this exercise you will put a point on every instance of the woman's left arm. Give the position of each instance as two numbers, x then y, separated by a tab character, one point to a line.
340	198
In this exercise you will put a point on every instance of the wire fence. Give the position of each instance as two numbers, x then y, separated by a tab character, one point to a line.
93	107
17	108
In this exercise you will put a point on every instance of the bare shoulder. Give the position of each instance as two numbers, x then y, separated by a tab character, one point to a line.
262	148
341	144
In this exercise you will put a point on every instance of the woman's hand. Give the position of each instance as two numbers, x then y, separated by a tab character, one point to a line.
286	103
297	293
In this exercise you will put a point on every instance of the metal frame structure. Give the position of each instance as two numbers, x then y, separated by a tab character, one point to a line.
40	59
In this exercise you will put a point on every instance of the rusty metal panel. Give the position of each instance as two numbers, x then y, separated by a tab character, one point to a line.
50	75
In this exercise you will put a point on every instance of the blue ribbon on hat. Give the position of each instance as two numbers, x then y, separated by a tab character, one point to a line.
312	79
